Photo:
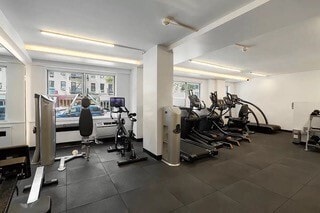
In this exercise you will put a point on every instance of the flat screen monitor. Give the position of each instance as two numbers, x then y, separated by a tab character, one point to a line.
234	97
117	102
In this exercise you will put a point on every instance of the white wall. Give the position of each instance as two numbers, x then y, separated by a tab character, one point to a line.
275	94
15	103
37	83
231	86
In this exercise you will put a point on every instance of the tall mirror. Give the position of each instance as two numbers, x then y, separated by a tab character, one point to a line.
12	100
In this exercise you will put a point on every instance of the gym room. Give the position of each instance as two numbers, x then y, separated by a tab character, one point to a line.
160	106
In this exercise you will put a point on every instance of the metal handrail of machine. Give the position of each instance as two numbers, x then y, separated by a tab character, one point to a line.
241	101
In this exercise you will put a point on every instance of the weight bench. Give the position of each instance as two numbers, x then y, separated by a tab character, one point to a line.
14	166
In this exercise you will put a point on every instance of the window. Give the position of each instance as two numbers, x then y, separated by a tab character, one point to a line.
179	94
194	87
63	85
69	84
110	89
181	90
3	92
93	87
102	88
51	84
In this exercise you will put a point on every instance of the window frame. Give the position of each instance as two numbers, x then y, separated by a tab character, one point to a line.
102	87
93	85
4	102
63	88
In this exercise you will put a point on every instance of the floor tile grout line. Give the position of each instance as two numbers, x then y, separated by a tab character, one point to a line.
93	202
248	206
266	188
297	191
282	205
83	180
124	202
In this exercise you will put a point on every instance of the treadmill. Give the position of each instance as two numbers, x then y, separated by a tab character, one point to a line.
188	131
191	151
263	127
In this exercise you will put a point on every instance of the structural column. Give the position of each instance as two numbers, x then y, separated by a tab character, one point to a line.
137	99
157	93
221	88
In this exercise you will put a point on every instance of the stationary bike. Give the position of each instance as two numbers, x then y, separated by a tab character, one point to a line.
124	137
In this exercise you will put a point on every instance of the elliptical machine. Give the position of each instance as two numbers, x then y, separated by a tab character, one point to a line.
204	126
124	137
217	119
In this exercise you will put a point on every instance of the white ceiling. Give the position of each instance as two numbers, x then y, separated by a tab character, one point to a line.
295	48
285	32
284	42
135	23
4	52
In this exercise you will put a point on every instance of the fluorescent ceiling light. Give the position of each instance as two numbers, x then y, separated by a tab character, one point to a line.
80	54
214	65
201	72
258	74
76	38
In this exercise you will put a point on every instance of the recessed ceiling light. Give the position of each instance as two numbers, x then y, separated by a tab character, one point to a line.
214	65
258	74
75	38
80	54
201	72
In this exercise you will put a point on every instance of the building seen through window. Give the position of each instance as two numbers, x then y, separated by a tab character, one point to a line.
65	86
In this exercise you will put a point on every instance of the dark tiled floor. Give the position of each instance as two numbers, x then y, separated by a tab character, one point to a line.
268	175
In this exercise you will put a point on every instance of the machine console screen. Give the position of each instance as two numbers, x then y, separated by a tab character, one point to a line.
117	102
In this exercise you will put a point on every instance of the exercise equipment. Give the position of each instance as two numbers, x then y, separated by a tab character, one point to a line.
85	128
313	129
14	166
45	130
257	126
189	121
124	137
171	118
237	133
207	126
237	124
190	150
